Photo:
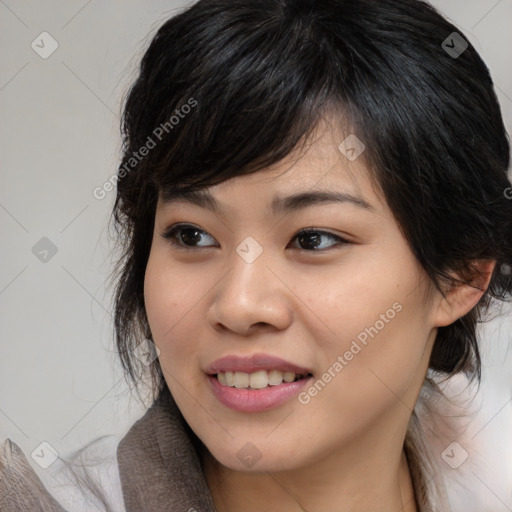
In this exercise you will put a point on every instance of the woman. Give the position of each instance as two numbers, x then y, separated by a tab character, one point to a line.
312	201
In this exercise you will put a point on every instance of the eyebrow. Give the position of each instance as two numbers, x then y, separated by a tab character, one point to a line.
279	204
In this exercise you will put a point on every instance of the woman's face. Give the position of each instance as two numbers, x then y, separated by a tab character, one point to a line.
345	304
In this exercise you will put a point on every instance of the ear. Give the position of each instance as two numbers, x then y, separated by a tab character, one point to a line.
462	298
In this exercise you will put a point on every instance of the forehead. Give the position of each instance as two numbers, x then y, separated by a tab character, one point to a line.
317	173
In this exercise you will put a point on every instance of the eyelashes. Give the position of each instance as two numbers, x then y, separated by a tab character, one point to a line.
185	236
174	235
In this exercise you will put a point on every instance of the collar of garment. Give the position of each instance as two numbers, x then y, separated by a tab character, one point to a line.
158	468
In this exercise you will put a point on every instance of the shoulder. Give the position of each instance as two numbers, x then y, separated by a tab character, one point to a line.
85	481
88	479
465	431
21	490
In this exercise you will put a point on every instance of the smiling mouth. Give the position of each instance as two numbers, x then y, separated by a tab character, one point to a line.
260	379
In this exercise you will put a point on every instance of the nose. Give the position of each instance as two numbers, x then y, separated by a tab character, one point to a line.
251	297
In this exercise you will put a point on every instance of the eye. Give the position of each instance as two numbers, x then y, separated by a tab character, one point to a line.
311	239
188	236
185	236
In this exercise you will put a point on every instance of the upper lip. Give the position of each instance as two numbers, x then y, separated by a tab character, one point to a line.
253	363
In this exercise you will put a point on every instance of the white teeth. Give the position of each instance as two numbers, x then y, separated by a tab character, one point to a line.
288	376
256	380
275	377
230	378
241	380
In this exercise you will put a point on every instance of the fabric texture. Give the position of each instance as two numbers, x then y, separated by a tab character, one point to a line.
158	463
21	490
155	467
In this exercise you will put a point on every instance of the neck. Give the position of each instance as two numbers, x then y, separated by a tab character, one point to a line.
350	480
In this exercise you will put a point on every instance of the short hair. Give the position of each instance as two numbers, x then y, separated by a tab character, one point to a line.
258	75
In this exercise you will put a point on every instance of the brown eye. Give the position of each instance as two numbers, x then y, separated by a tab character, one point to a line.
314	240
186	236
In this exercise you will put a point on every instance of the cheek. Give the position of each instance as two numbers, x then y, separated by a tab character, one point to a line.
173	303
378	342
382	297
171	300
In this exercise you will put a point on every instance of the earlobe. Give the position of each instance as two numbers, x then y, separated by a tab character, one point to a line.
462	298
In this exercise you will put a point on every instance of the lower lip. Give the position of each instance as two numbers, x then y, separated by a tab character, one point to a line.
256	400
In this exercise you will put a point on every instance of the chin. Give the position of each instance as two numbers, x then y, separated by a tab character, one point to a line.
255	457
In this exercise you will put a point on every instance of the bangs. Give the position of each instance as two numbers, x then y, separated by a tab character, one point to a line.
252	102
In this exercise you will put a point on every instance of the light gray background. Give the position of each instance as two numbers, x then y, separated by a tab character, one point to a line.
59	378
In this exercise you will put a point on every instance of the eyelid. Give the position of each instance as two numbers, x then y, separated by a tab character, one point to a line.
168	235
341	239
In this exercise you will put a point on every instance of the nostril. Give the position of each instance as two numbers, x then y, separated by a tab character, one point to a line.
259	324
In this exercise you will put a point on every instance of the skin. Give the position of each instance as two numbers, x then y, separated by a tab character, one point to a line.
343	450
